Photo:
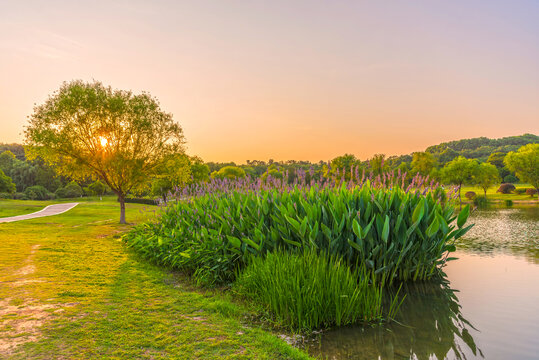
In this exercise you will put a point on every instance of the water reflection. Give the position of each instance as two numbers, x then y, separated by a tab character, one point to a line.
498	275
430	325
511	231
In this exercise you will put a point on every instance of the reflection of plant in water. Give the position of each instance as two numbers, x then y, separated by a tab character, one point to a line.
434	322
514	231
429	325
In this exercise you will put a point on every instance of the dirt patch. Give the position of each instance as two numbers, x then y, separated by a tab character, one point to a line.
21	323
21	317
25	270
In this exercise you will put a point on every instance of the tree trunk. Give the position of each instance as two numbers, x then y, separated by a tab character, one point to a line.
121	199
485	190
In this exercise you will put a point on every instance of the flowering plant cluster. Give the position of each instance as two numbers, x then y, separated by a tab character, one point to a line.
396	230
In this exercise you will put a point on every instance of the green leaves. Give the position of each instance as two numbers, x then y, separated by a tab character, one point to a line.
385	231
397	235
433	228
234	241
418	211
463	216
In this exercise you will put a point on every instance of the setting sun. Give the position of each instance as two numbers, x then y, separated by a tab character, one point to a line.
103	141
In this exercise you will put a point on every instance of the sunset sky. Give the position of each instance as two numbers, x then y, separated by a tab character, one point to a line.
304	80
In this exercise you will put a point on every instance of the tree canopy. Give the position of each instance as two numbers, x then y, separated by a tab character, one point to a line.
88	130
525	163
458	171
485	176
6	184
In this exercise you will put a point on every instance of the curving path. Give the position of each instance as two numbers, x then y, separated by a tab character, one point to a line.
47	211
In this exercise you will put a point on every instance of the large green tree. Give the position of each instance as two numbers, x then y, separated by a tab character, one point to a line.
459	171
525	163
485	176
88	130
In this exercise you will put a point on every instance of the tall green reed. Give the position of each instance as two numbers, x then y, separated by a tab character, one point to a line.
310	290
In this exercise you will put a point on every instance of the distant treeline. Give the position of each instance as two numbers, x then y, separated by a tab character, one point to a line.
23	178
481	149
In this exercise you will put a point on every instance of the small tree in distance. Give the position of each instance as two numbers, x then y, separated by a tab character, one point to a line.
486	175
525	163
458	171
90	130
97	188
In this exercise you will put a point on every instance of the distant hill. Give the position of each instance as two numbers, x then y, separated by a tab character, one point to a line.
480	148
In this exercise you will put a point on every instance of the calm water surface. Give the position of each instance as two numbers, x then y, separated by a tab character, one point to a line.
488	307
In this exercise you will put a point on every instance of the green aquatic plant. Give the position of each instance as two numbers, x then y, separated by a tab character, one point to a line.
396	233
310	290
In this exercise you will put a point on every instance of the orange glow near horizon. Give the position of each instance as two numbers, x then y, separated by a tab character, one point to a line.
303	80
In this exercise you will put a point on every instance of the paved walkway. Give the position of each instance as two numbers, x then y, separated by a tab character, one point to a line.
47	211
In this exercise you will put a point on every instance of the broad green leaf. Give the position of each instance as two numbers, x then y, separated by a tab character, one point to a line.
433	228
234	241
418	211
251	242
463	216
385	231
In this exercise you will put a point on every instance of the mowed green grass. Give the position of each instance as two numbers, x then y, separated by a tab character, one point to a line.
17	207
21	207
493	195
70	289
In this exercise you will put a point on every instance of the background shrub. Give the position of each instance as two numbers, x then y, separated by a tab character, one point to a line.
506	188
510	179
531	191
310	290
71	190
37	192
470	195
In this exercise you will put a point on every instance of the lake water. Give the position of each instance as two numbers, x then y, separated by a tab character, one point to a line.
488	307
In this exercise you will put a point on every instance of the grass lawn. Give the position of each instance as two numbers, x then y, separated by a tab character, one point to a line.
17	207
493	195
70	289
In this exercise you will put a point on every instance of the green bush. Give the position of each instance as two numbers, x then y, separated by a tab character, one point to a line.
37	192
397	234
97	188
71	190
309	290
510	179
